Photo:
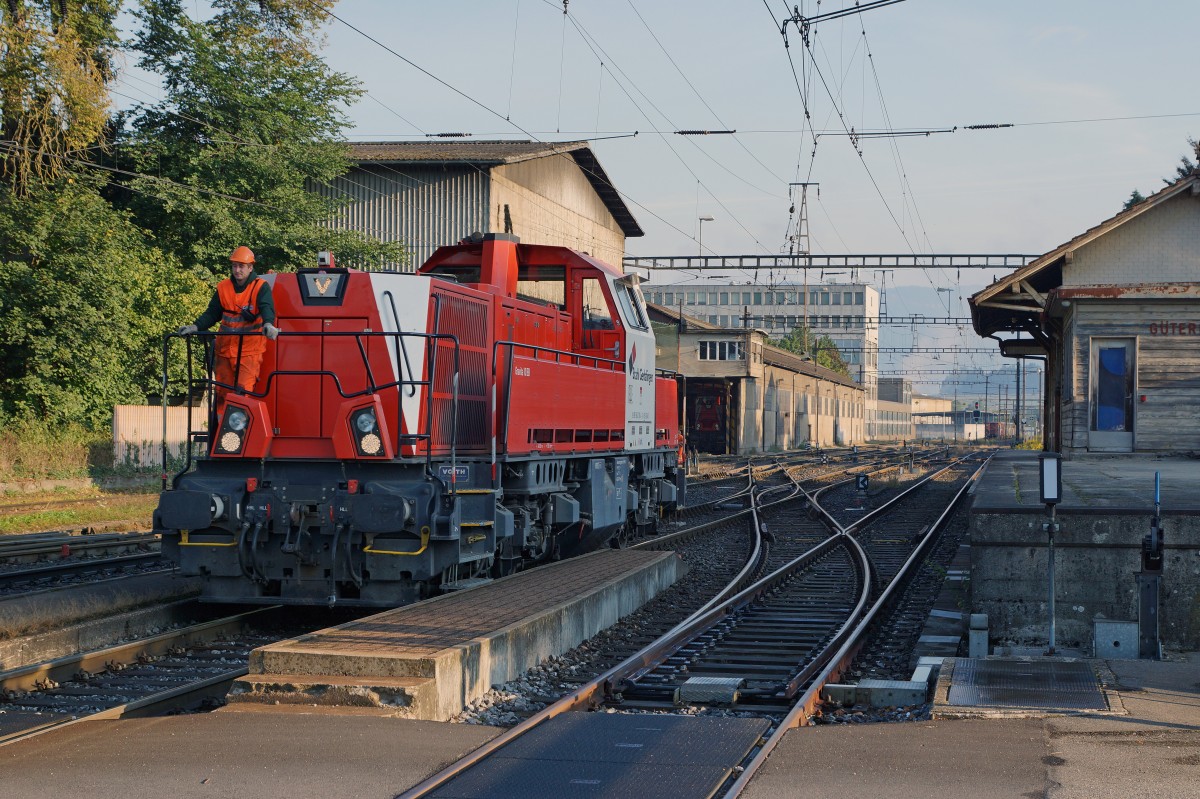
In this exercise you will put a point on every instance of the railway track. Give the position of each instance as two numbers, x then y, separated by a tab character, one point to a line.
26	548
178	670
770	646
75	572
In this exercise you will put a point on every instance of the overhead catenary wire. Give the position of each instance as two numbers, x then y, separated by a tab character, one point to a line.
486	108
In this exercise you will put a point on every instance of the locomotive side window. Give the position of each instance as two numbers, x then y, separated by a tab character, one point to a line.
457	273
631	306
596	314
546	284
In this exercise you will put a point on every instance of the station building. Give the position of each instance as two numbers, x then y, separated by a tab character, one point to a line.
743	395
1115	313
427	194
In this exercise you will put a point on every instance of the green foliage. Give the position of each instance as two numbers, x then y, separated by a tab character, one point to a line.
83	304
1186	166
1135	197
1185	170
251	121
34	449
55	63
823	350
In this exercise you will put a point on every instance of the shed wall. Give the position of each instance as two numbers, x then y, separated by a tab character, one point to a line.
550	201
424	206
1158	246
1168	371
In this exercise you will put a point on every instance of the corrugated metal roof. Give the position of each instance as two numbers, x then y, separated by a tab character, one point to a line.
494	153
461	152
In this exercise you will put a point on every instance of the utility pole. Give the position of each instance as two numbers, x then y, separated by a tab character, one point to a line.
800	245
987	394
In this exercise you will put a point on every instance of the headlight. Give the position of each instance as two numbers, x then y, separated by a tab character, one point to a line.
234	427
367	436
236	420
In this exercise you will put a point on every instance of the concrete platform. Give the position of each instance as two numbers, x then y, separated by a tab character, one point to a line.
299	752
1106	511
428	660
1094	484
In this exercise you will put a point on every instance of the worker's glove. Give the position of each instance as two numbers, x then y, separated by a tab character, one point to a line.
186	329
270	331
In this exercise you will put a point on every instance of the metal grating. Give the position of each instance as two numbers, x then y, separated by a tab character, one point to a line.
613	755
1047	685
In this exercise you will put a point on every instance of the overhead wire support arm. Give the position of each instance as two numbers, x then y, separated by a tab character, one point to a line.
803	23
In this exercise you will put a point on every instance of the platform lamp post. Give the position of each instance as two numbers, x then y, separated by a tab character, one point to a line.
1050	484
700	238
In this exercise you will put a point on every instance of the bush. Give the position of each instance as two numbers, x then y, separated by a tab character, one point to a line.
39	450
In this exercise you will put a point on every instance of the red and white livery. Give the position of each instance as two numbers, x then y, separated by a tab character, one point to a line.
414	432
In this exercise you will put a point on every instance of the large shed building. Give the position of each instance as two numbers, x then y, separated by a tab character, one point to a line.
427	194
742	395
1115	312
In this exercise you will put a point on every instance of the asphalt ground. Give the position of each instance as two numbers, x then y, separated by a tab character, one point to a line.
1151	751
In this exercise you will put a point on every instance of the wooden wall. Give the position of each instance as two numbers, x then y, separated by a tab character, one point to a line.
1168	370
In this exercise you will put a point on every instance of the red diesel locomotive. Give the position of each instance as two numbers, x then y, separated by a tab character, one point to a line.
411	433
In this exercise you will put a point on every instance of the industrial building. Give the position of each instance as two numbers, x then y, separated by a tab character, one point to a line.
744	395
427	194
847	313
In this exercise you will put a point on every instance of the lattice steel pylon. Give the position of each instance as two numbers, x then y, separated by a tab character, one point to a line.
801	246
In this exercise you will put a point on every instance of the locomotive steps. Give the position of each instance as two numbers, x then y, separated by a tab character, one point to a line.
427	661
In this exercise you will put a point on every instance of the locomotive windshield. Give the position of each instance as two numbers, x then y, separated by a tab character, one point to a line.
630	301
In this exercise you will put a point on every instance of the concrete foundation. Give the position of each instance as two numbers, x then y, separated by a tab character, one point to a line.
427	661
1107	509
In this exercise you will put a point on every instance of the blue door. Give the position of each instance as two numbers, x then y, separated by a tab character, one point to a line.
1110	407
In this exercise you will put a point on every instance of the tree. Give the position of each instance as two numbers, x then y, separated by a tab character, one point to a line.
55	65
1186	166
251	121
1185	170
1135	197
83	301
823	350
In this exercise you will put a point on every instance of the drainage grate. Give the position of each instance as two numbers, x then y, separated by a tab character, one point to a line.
1043	684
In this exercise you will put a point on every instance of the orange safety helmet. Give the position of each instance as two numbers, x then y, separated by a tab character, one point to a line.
242	255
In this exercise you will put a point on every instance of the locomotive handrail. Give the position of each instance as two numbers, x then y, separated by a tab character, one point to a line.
208	338
399	344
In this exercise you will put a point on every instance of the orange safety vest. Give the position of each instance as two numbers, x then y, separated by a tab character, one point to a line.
232	321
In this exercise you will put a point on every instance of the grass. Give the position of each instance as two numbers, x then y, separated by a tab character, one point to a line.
76	509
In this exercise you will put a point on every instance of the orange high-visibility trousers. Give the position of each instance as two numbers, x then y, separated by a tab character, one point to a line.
247	374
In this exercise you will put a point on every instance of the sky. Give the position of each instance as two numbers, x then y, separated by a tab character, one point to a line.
521	69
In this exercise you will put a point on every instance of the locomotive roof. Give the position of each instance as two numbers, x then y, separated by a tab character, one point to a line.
497	153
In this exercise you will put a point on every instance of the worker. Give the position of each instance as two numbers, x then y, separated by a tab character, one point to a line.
242	304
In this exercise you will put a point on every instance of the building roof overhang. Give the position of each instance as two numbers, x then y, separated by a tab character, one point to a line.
1019	301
